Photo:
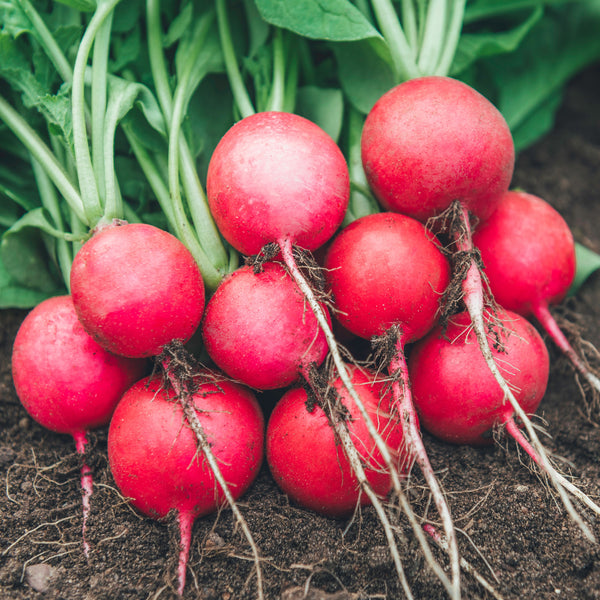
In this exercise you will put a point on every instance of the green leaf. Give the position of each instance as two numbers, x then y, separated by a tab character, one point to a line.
82	5
14	295
365	71
325	107
23	252
587	263
334	20
559	46
473	46
487	9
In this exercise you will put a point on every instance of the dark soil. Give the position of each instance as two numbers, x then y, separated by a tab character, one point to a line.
512	528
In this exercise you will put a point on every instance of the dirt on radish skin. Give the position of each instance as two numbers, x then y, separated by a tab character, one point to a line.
136	288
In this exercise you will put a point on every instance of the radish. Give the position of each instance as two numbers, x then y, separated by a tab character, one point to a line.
153	452
307	461
457	398
460	401
529	256
432	140
66	381
136	288
257	328
387	275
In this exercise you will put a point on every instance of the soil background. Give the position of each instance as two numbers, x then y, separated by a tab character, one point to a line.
511	527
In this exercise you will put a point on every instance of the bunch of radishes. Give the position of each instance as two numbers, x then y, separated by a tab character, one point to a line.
439	158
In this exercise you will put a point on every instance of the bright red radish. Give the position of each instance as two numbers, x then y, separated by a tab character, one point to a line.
154	456
387	276
433	140
259	330
310	465
66	381
385	269
136	288
276	176
529	256
457	398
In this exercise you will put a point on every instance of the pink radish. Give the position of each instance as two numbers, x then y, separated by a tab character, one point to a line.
308	462
387	276
66	381
154	458
136	288
457	398
258	329
528	252
277	177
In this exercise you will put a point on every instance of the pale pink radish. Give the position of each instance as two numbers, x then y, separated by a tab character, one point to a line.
528	252
154	458
309	464
258	328
66	381
136	288
387	276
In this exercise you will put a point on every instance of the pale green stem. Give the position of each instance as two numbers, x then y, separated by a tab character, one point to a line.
455	23
30	139
240	93
433	38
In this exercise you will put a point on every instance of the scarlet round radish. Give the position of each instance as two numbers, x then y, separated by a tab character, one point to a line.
136	288
259	330
309	464
528	252
154	456
276	176
457	398
385	269
432	140
66	381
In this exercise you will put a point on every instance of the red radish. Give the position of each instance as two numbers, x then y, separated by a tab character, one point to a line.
258	329
154	457
529	256
432	140
276	176
308	462
136	288
387	275
461	401
457	398
66	381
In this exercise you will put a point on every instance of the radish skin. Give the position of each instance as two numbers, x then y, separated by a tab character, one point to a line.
66	381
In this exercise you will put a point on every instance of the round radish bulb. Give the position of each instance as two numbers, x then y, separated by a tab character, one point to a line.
154	456
66	381
385	269
276	176
136	288
528	252
310	465
457	398
432	140
259	330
